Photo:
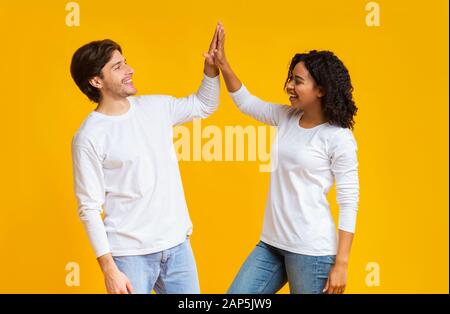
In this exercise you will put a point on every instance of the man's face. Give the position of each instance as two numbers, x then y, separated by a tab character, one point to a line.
117	81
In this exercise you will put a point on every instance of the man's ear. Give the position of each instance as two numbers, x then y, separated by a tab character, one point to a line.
96	82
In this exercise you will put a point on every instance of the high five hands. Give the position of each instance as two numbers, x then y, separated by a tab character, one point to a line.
215	57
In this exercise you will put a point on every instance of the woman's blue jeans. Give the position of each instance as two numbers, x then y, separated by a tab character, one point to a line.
267	269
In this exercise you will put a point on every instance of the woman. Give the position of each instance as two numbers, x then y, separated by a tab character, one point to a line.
314	147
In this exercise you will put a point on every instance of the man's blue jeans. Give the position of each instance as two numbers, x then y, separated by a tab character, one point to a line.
267	269
169	271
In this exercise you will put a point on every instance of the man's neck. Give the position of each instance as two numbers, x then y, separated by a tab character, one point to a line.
113	107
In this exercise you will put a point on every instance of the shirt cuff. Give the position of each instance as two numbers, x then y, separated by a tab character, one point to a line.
347	218
215	78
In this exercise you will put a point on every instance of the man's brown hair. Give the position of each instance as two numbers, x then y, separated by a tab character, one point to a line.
88	62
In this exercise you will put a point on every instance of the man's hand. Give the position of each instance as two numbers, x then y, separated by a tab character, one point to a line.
210	66
115	281
219	53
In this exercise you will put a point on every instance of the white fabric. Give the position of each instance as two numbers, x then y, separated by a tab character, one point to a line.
127	164
306	163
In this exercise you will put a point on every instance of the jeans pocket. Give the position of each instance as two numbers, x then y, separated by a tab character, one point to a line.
263	245
324	265
327	259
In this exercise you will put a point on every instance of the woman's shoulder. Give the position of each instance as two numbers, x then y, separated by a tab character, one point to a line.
337	131
340	136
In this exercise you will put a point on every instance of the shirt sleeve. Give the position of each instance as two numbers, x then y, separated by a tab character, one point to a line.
90	195
344	165
199	105
260	110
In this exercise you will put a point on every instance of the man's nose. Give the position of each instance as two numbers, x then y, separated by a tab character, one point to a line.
130	70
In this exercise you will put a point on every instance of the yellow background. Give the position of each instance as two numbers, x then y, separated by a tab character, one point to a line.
400	74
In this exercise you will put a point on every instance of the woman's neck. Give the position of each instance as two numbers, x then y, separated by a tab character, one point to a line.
311	118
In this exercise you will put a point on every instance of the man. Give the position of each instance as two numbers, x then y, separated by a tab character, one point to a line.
124	160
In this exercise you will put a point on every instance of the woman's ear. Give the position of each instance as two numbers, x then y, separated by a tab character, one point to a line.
320	92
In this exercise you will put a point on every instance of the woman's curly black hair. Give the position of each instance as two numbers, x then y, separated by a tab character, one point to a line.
331	74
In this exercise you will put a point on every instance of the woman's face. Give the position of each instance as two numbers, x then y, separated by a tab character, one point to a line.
302	89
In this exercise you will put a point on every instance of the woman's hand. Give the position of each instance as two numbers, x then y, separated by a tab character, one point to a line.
218	55
337	279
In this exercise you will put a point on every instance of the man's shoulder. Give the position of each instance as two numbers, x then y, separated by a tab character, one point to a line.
154	105
89	131
153	100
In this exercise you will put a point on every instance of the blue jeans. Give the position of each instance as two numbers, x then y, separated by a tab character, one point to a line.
267	269
169	271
